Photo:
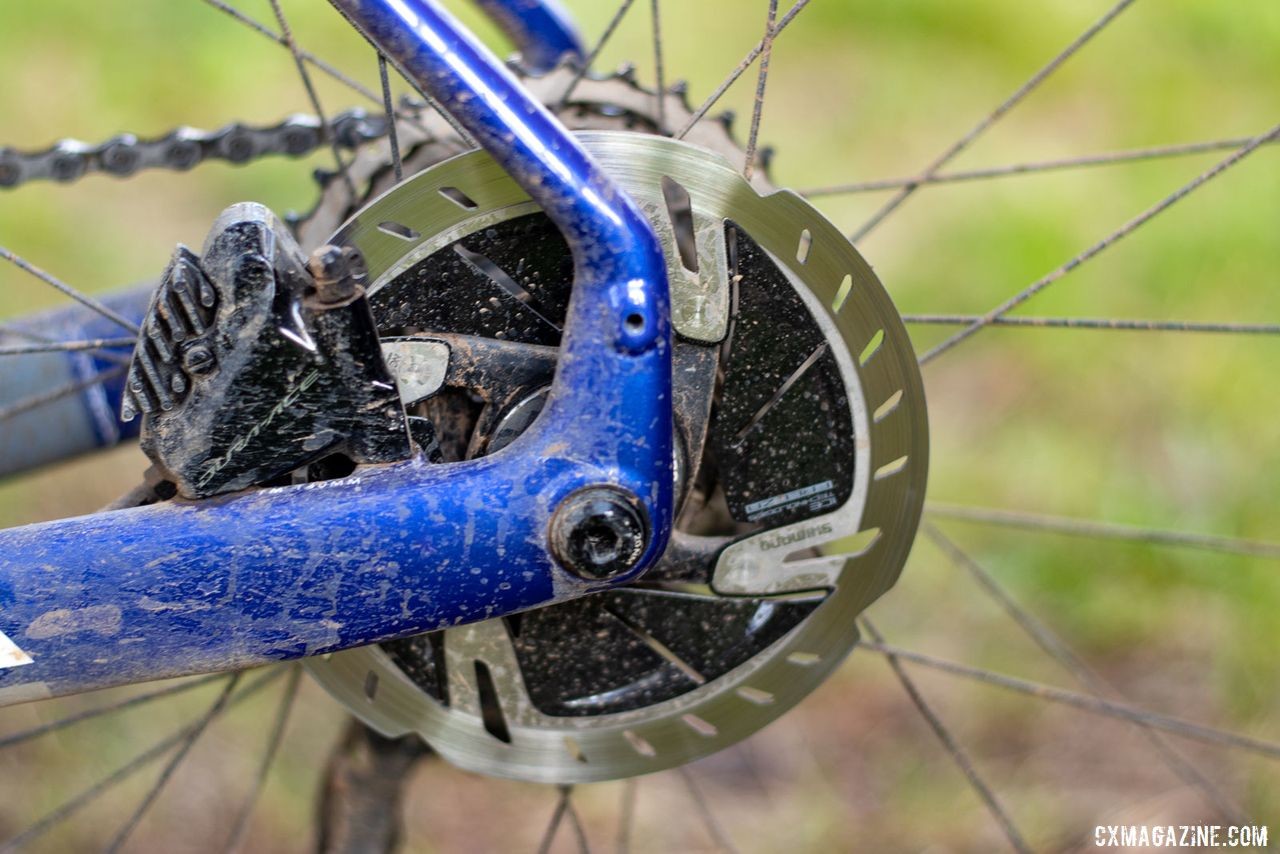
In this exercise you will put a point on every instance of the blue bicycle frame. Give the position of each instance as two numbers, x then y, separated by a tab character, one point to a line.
187	587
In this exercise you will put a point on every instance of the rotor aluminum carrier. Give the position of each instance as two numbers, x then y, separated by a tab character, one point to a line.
863	541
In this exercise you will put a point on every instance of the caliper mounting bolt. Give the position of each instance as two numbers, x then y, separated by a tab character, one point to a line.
599	532
338	272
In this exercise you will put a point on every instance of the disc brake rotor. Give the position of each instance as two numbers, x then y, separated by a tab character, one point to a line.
801	429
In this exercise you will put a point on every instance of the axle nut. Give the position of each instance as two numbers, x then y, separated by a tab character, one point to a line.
599	532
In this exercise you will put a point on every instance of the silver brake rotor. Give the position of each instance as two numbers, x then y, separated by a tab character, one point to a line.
865	537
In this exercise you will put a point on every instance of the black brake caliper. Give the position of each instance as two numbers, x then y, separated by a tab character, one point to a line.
254	362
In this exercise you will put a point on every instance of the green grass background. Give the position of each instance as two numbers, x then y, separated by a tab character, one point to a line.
1170	430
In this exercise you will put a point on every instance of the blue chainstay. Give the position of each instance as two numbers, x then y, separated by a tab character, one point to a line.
180	588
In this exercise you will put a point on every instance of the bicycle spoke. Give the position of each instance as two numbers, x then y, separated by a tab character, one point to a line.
66	346
957	753
59	285
1098	323
51	344
757	110
575	821
1104	530
990	119
91	714
137	763
741	69
796	375
990	172
557	817
1101	246
240	828
37	338
595	51
312	95
1059	651
36	401
311	59
627	814
392	134
1095	705
658	68
177	759
709	821
25	334
1097	696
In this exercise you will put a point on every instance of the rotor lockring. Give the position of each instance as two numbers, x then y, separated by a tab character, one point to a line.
599	532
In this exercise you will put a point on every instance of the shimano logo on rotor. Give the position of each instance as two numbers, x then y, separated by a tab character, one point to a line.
778	540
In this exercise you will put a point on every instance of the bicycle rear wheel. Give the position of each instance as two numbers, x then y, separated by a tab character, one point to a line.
1159	434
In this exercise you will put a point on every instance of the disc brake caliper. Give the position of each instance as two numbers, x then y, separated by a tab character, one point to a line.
255	361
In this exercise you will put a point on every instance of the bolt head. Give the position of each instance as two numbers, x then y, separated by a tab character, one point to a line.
198	359
599	532
338	272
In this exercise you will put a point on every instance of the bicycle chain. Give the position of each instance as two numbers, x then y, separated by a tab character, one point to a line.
295	136
184	148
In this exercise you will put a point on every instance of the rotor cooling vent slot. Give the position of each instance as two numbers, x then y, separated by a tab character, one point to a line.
421	658
495	722
400	230
575	749
459	198
755	695
680	212
782	435
802	249
873	347
639	744
700	726
886	409
842	294
846	549
891	468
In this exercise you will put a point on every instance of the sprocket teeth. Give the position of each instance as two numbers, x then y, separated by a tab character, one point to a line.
410	104
323	177
516	63
567	62
626	71
726	120
766	155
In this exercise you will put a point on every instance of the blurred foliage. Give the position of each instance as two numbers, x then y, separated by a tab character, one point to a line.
1169	430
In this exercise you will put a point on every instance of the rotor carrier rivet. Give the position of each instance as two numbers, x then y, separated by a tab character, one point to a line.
599	532
338	272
